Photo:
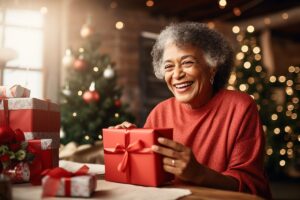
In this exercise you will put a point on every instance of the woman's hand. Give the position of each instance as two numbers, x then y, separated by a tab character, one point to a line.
179	160
124	125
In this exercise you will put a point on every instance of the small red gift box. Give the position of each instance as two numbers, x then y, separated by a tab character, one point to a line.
60	182
128	156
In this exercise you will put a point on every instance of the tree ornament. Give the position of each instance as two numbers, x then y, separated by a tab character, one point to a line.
6	134
80	64
109	72
118	103
66	91
86	30
91	95
68	58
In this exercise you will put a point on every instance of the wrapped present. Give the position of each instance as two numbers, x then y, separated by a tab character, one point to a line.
128	156
14	91
60	182
30	114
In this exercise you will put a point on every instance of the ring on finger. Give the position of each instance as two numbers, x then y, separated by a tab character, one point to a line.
173	162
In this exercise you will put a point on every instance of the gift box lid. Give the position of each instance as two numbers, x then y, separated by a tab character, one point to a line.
30	103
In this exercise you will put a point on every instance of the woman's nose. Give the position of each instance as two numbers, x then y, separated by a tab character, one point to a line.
178	72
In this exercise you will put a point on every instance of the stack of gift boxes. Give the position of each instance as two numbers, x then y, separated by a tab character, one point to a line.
27	126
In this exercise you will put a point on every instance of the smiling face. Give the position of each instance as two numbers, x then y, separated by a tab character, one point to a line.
187	74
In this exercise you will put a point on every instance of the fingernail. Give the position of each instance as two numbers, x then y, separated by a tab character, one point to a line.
154	147
161	139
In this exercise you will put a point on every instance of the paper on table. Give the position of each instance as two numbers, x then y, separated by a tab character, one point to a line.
74	166
133	192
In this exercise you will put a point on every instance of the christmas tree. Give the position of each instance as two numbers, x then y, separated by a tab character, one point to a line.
90	98
277	101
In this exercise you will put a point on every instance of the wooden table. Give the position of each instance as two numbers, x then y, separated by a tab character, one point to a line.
29	192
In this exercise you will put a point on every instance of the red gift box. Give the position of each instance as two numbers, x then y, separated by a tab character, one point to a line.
30	115
128	156
43	150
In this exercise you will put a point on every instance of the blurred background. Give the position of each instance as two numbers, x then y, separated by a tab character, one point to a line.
93	58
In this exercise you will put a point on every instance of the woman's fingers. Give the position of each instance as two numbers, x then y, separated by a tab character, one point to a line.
124	125
165	151
170	143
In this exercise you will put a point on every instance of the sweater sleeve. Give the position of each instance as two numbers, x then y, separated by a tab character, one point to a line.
246	162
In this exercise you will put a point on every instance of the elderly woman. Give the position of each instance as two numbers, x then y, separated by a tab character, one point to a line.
218	137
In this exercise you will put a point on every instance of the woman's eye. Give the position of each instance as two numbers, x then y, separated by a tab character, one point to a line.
188	63
168	67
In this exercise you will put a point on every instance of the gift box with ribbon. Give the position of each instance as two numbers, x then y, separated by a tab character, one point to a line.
60	182
129	159
14	91
38	119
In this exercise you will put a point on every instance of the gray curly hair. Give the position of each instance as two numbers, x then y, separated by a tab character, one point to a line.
217	51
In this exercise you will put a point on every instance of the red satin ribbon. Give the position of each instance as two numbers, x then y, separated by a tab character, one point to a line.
52	184
5	117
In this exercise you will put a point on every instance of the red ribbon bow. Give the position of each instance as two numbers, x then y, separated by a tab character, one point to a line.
51	185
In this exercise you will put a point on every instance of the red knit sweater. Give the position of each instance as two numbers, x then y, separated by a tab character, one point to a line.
225	135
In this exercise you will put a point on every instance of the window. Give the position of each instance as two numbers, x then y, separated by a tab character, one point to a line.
23	32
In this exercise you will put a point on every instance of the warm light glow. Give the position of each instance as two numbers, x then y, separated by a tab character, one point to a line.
232	79
282	163
211	25
299	138
282	79
288	113
277	131
244	48
79	93
279	108
86	137
243	87
247	65
81	50
149	3
294	116
44	10
289	91
258	68
250	29
289	83
74	114
272	79
235	29
269	151
100	137
267	21
256	50
237	11
291	69
290	107
297	69
290	152
96	69
265	128
230	87
222	3
274	117
290	145
285	16
257	57
251	80
239	38
240	56
282	151
287	129
117	115
256	95
119	25
295	100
